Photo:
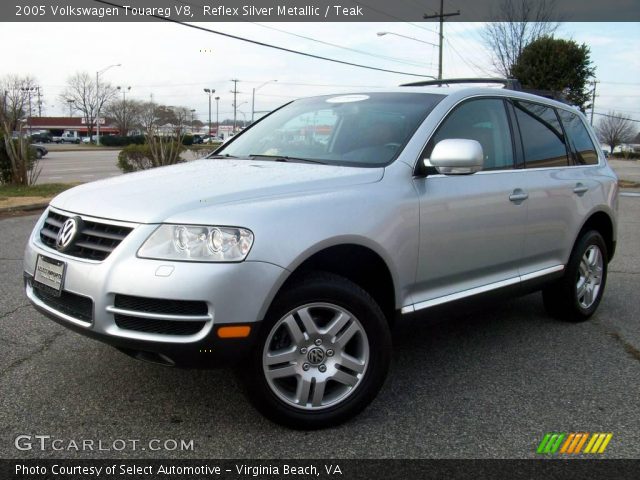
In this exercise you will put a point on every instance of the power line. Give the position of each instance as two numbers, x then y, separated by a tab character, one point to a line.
615	116
362	52
387	14
268	45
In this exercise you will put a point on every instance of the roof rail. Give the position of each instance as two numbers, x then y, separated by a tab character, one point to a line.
509	83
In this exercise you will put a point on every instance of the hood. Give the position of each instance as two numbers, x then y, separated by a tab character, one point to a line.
153	195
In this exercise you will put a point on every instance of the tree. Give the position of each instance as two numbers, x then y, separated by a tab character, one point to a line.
124	114
15	92
615	129
87	97
524	22
17	159
557	65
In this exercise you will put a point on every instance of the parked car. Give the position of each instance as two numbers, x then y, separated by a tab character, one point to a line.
41	137
67	138
197	139
40	150
294	247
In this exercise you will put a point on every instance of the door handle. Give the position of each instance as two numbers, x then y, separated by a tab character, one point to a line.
580	189
518	195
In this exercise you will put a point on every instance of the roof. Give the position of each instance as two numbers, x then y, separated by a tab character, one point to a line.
63	123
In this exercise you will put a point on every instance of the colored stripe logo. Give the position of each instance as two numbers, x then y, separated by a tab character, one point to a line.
574	443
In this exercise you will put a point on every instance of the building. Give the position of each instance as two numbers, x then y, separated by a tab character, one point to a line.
59	125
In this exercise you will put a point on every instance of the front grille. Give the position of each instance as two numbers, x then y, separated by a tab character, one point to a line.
160	305
75	306
165	327
95	240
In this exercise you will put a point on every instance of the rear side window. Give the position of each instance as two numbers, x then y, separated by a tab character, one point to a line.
484	120
543	141
583	150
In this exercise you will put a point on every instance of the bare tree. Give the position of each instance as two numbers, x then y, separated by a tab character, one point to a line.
615	129
87	97
524	22
15	92
125	114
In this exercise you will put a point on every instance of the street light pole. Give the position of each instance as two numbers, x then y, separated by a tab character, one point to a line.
217	117
253	98
193	110
124	109
70	102
210	92
98	100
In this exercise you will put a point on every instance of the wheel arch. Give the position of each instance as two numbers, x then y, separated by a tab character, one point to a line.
601	222
359	263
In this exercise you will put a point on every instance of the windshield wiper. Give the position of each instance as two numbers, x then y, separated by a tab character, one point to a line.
220	155
286	158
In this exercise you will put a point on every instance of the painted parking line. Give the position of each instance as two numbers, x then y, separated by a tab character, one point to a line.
630	194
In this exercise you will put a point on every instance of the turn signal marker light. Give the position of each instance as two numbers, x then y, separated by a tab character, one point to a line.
238	331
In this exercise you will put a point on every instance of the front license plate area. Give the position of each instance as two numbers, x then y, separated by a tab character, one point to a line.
49	275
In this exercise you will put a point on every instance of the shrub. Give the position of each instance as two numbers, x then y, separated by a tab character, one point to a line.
158	153
135	157
26	171
121	141
187	140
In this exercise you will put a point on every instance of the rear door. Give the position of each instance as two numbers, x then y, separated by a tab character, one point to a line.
558	199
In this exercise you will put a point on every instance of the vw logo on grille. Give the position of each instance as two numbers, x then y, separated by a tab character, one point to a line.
316	356
67	233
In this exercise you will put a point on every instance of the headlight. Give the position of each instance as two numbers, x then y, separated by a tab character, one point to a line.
198	243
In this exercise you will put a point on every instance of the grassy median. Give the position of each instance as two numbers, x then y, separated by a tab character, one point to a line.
44	190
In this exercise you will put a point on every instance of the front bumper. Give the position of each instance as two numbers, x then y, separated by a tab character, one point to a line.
234	293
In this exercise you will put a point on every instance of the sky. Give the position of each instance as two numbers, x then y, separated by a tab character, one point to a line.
174	63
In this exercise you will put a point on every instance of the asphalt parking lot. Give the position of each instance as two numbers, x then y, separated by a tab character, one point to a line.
483	383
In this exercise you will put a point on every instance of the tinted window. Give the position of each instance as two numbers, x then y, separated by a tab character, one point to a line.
584	152
542	138
485	121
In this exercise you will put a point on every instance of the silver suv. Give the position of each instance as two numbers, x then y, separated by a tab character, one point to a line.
293	248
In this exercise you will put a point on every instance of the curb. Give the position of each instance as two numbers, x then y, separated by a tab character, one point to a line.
25	208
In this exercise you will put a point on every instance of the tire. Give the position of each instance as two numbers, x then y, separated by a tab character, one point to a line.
576	296
328	332
38	154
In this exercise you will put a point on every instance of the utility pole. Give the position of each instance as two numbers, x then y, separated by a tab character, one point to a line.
441	16
235	93
593	100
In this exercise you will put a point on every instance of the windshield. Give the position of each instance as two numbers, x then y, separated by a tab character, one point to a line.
355	130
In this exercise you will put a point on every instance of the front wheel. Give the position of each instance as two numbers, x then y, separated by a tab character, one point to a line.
577	295
322	356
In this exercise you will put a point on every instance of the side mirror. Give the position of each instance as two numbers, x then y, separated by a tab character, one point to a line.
456	156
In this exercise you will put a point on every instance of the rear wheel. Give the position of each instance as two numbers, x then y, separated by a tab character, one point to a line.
323	354
577	295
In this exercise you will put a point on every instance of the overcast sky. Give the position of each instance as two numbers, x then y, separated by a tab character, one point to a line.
175	63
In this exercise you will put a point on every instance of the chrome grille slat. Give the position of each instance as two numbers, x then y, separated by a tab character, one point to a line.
95	241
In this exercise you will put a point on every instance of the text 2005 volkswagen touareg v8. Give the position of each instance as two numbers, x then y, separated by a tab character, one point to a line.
294	246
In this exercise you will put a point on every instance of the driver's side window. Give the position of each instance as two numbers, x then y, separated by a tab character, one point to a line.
484	120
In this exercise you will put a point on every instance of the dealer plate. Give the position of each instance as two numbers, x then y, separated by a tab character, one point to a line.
49	275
